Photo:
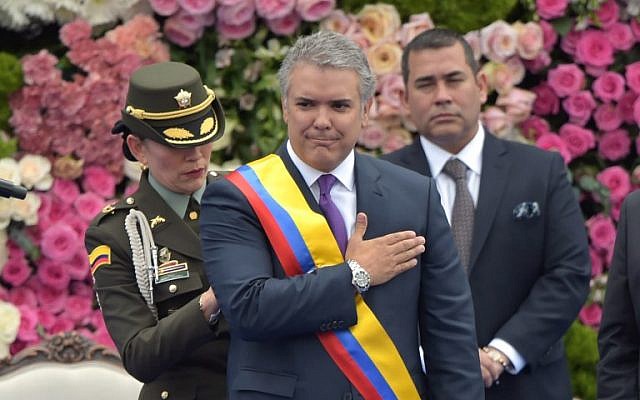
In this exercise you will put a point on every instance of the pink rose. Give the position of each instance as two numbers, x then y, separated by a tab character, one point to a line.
28	323
101	336
620	36
81	288
602	231
614	145
197	7
517	104
617	180
74	32
53	274
61	324
314	10
553	142
578	139
51	299
566	79
593	48
569	41
22	295
372	136
498	41
337	21
636	111
16	271
607	117
65	190
238	13
597	264
417	24
549	9
591	315
635	28
40	69
78	266
46	318
164	7
100	181
607	14
625	106
178	33
609	86
237	32
534	127
88	205
579	106
549	35
496	121
473	38
284	26
539	63
632	73
530	39
397	138
391	90
78	308
271	9
60	242
546	100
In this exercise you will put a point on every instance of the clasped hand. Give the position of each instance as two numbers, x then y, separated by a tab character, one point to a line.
386	256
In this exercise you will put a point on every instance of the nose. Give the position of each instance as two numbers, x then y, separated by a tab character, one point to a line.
442	93
322	120
191	153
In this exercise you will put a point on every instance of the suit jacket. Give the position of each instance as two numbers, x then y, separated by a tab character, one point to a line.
180	354
529	276
274	350
619	336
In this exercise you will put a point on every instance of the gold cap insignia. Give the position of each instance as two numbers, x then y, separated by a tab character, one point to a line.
183	98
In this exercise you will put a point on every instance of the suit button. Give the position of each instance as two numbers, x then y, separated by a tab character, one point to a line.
323	327
164	395
173	288
340	324
334	325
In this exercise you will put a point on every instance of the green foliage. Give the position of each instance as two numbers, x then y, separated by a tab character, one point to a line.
582	352
460	15
10	73
243	73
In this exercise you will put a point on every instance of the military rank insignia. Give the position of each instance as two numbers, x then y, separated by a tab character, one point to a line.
172	270
100	256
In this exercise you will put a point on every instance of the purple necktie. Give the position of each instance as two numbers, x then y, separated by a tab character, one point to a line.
331	212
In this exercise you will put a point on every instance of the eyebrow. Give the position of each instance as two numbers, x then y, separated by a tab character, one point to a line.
430	78
333	101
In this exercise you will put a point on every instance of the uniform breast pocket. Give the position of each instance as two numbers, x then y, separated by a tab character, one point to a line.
171	295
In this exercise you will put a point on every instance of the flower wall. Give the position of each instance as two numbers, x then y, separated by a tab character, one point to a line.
564	76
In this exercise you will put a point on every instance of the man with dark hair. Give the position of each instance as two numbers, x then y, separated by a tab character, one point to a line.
317	255
515	220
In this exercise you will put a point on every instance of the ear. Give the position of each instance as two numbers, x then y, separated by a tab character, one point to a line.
483	86
136	148
365	112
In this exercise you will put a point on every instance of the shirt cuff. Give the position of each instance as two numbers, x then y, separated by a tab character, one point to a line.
517	361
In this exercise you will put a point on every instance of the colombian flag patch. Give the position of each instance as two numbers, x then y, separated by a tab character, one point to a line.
100	256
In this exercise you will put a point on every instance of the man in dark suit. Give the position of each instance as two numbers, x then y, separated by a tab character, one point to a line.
305	324
515	219
619	336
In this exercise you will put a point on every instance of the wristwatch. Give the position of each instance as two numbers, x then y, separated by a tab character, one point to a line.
360	278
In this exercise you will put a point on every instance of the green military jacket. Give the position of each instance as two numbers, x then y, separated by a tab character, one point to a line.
178	356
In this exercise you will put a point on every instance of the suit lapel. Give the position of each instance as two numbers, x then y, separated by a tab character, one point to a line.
416	160
493	180
172	232
370	197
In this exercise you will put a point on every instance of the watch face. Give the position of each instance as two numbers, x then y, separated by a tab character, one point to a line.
361	279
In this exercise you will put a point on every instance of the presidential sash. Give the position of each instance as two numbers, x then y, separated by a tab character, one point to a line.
302	241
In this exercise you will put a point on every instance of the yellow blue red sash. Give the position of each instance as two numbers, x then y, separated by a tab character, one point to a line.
302	241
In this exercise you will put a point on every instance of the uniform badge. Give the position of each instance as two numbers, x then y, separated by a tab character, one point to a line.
156	221
100	256
164	255
172	270
183	98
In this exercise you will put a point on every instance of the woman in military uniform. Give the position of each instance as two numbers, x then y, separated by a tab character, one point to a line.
145	251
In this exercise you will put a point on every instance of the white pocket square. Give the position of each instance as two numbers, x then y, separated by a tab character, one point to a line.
526	210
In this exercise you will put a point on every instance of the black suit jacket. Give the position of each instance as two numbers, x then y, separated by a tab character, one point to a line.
178	354
529	276
619	336
274	350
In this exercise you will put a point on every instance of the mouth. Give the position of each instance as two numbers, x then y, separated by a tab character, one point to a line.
195	173
322	140
444	117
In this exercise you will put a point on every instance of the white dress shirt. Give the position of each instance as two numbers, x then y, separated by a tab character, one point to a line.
471	156
343	192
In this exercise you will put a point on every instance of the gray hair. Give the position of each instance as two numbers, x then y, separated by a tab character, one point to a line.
332	50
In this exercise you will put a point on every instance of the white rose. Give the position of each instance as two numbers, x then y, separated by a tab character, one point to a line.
9	324
35	171
26	210
9	170
4	252
5	212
